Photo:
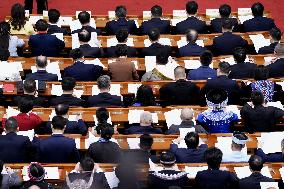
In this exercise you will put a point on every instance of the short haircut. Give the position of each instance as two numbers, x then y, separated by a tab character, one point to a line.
87	164
225	67
240	54
213	157
282	143
179	72
261	73
84	17
41	25
76	54
102	115
25	105
11	125
41	61
84	36
121	50
279	49
191	36
275	34
225	10
146	141
206	58
257	98
107	132
103	82
61	109
257	9
68	83
53	15
121	35
227	24
29	85
146	118
58	122
4	54
156	11
162	57
154	34
120	11
192	140
167	158
255	163
191	7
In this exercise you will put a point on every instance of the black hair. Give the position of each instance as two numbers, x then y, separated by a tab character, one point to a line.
257	98
261	73
102	115
240	54
162	57
145	96
84	36
156	11
41	25
53	15
1	169
227	24
191	7
255	163
11	124
146	142
87	164
58	122
275	34
192	140
206	58
225	67
167	158
121	50
257	9
225	10
30	85
107	132
42	63
84	17
61	109
76	53
103	82
18	19
4	36
4	54
121	35
154	34
213	157
68	83
120	11
25	105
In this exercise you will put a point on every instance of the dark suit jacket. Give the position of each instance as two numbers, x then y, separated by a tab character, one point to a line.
174	129
191	49
91	52
162	25
187	155
131	52
274	157
191	23
276	68
216	24
113	26
226	43
104	99
55	29
181	92
142	130
90	29
253	181
139	156
155	49
38	101
258	24
242	70
57	149
202	73
83	72
46	45
99	179
67	99
42	75
267	49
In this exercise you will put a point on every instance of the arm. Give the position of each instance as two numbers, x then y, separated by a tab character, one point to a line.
173	148
82	127
14	180
260	153
20	42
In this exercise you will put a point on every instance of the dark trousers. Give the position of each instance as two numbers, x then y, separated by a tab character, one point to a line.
41	5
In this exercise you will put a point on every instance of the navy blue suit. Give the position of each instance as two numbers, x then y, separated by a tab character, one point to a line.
187	155
42	75
57	149
191	23
274	157
191	49
67	99
276	68
55	29
91	52
226	43
267	49
216	24
154	49
46	45
113	26
104	99
162	25
142	130
90	29
242	70
258	24
253	181
83	72
131	52
202	73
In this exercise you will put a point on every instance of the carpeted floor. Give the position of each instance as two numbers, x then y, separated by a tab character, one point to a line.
137	6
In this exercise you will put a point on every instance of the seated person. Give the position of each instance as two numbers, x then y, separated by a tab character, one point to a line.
41	74
57	148
241	69
81	71
272	157
145	126
276	67
275	38
53	18
226	43
88	51
191	49
127	176
104	98
86	170
169	176
145	96
225	13
192	22
259	22
186	116
253	181
204	72
257	116
68	85
155	48
238	144
102	116
113	26
122	69
43	43
193	153
85	18
216	119
104	150
155	22
121	36
10	178
214	177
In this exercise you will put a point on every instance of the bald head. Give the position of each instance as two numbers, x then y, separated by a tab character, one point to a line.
146	119
41	61
191	36
186	114
179	73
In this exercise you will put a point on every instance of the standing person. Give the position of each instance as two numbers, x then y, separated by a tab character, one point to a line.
41	6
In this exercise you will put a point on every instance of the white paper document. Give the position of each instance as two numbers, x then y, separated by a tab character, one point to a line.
59	36
147	15
10	71
224	144
212	13
95	62
94	42
133	143
183	131
56	90
274	138
111	15
173	117
64	21
10	112
34	19
175	21
242	19
111	178
268	185
30	134
192	64
245	171
282	172
114	89
234	109
113	42
244	11
132	88
276	104
51	173
150	63
259	41
192	171
180	13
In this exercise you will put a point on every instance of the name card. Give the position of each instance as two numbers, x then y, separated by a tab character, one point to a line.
192	171
244	11
213	13
147	15
133	143
111	15
179	13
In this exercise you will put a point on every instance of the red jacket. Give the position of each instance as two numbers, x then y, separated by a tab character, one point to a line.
26	121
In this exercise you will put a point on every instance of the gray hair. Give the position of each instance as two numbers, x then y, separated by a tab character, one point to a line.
186	114
282	143
41	61
146	118
103	82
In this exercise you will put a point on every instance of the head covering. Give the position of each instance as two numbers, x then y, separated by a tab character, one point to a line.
217	99
239	138
167	158
37	178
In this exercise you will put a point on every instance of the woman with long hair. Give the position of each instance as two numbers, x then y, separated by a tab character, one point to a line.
8	178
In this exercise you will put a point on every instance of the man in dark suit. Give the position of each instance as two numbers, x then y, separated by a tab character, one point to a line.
104	98
275	38
241	69
57	148
225	12
180	92
121	36
258	23
191	49
192	22
43	43
272	157
155	48
68	85
156	22
253	181
113	26
85	19
15	148
81	71
41	74
53	18
276	68
214	177
227	42
88	52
